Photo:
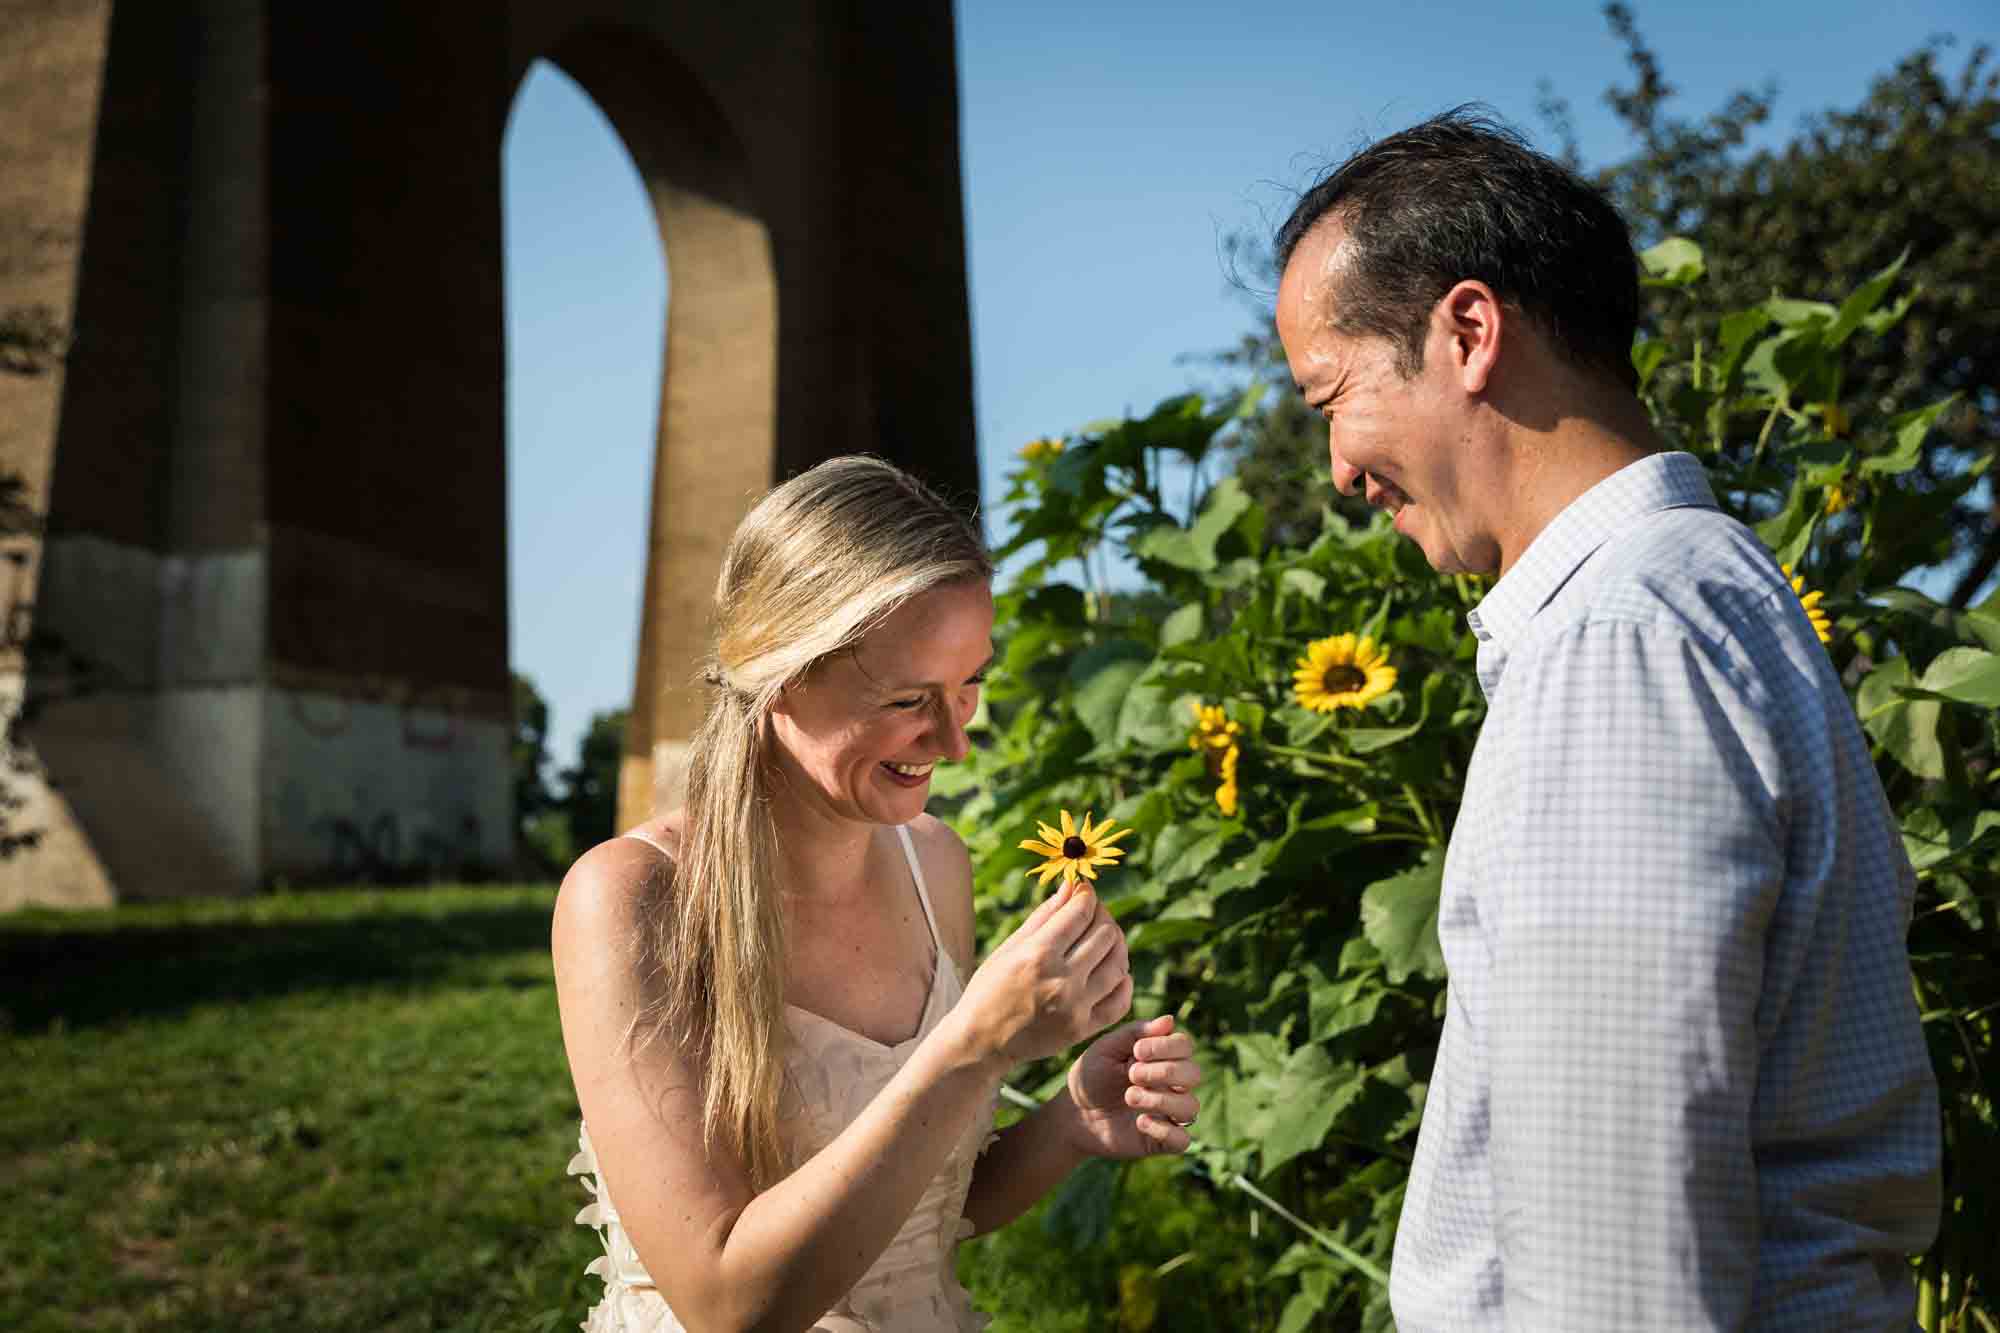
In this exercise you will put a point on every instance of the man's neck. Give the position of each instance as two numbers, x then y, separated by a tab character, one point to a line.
1549	469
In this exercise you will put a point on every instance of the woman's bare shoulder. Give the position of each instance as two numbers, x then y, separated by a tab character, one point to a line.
611	885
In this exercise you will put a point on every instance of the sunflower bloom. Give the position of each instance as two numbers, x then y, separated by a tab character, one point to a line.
1344	671
1810	601
1075	852
1039	451
1839	496
1227	795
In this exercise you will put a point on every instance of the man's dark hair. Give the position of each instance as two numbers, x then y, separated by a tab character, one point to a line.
1462	196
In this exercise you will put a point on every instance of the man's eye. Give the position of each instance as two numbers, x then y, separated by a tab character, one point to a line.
979	679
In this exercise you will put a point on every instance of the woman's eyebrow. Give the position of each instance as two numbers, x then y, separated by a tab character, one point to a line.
933	685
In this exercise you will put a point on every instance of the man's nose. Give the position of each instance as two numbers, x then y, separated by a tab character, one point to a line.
1346	477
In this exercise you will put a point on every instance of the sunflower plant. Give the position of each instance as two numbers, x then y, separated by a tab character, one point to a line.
1283	731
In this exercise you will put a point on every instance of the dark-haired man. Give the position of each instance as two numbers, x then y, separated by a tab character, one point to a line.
1682	1083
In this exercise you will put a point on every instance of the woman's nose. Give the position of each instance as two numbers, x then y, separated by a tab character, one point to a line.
952	742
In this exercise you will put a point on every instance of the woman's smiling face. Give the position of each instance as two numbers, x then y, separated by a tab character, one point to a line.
864	727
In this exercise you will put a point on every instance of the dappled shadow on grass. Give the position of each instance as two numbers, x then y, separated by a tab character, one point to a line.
96	971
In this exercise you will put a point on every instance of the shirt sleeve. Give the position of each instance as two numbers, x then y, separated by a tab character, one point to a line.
1641	861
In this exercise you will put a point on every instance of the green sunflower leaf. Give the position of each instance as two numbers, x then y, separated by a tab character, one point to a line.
1911	429
1674	262
1311	1093
1399	915
1964	675
1103	676
1906	728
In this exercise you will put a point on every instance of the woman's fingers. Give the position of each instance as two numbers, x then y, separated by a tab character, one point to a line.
1067	924
1046	908
1089	948
1102	944
1112	1006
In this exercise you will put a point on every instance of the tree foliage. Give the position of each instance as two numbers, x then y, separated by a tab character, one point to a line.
1281	893
1912	171
541	832
590	798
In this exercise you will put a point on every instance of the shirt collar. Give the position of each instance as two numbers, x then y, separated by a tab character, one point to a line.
1655	482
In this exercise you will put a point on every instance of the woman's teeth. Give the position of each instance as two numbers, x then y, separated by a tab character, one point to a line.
909	770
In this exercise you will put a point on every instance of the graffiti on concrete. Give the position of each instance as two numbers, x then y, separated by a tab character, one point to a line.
392	849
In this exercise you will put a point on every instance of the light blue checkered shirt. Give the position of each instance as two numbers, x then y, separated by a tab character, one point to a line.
1682	1083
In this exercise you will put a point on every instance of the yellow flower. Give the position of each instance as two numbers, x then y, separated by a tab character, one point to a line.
1036	451
1213	732
1342	672
1838	497
1810	601
1227	795
1072	851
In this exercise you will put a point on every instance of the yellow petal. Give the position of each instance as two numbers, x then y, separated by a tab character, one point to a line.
1068	826
1040	849
1083	868
1048	834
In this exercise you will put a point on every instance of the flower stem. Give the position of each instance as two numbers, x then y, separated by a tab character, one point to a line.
1423	814
1316	756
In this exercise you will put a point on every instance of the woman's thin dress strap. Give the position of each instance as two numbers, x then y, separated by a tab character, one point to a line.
923	892
654	843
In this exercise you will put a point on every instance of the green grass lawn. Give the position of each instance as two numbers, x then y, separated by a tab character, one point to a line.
310	1111
350	1110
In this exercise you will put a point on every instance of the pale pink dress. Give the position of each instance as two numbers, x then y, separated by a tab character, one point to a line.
834	1073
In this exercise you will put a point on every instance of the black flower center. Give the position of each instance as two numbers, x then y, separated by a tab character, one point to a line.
1343	679
1074	848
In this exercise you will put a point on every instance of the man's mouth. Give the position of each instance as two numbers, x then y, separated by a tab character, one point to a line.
1384	497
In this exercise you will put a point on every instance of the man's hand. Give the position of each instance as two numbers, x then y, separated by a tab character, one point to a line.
1133	1091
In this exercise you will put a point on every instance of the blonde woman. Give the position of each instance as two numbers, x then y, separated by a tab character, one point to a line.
786	1064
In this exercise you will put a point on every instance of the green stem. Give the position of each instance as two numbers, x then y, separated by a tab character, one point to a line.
1315	756
1763	437
1423	814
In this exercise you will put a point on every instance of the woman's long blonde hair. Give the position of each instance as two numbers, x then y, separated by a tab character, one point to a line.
815	565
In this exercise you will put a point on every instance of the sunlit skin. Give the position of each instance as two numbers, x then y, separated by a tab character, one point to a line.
902	696
1477	450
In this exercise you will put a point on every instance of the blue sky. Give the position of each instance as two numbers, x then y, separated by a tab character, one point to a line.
1107	150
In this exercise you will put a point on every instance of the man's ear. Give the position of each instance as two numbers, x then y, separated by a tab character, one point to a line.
1468	325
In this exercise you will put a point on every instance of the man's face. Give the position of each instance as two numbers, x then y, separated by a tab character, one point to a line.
1400	442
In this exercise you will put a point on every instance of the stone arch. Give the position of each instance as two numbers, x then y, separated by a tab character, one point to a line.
273	453
716	438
